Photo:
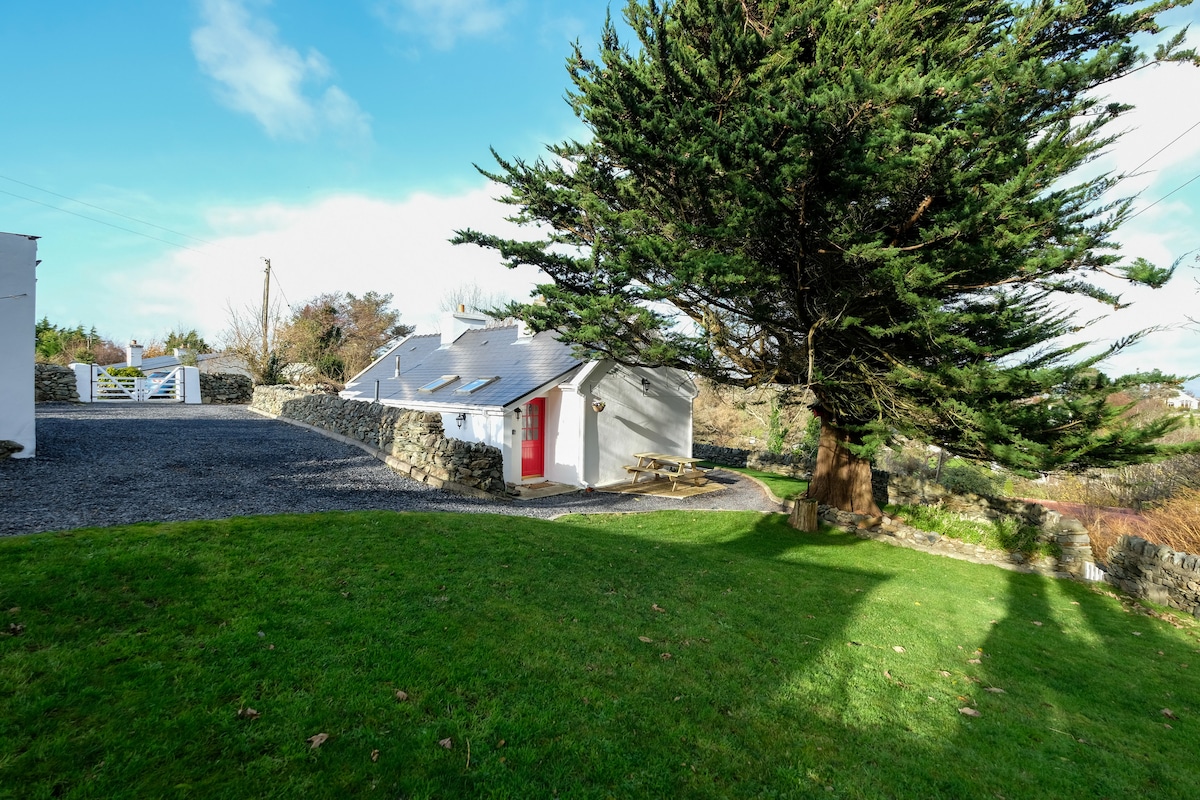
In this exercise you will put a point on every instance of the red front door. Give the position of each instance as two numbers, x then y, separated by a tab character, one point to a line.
533	434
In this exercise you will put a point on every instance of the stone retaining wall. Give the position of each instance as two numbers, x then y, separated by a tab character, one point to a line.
411	442
225	388
1155	572
796	466
1068	533
53	383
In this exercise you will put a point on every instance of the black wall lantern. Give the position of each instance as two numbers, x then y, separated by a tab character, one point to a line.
460	419
645	386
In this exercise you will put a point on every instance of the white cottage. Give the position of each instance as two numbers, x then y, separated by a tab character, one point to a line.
18	280
555	417
1183	400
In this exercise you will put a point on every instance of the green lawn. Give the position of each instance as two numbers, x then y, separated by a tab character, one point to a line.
782	486
661	655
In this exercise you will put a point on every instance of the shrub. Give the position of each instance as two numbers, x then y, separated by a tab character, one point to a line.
125	372
964	477
1007	533
1174	522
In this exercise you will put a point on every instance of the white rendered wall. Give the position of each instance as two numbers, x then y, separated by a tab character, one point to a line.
18	280
657	421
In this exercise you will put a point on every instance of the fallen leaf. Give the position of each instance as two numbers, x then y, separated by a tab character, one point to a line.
248	713
645	639
316	740
658	608
447	743
270	647
887	674
943	673
1169	714
15	610
1035	622
1137	633
261	634
1167	725
665	656
970	712
501	743
374	755
898	648
995	690
401	695
974	661
15	629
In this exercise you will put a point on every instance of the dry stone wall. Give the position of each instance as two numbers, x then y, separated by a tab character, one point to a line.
412	442
1068	533
54	383
796	466
225	388
1155	572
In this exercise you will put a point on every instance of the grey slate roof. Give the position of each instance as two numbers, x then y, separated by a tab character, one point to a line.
521	365
164	362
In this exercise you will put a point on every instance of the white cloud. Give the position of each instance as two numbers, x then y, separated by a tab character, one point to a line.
261	76
443	22
348	243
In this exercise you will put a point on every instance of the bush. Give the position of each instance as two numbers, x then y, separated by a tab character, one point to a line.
1174	523
1010	534
125	372
963	477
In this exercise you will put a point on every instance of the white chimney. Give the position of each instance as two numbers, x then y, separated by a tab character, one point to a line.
133	354
455	323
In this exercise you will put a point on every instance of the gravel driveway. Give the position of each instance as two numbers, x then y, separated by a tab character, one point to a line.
111	464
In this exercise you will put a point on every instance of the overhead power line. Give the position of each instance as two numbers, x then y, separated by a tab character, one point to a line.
1164	197
98	208
100	221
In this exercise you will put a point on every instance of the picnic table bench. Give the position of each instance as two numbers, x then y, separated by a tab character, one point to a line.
663	465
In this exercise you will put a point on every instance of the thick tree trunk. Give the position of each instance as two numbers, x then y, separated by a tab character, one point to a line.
842	479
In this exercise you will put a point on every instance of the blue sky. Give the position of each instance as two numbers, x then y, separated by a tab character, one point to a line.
337	139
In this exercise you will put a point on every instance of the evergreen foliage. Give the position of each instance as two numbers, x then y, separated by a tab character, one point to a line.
870	200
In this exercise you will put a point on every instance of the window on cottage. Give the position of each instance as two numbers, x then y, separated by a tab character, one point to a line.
441	382
475	385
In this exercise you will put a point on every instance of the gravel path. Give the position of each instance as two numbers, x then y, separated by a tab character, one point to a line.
112	464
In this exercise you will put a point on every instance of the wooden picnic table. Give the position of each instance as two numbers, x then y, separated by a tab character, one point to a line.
664	465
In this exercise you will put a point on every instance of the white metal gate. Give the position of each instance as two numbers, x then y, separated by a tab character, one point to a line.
156	386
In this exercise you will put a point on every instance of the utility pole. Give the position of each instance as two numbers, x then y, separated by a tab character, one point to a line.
266	307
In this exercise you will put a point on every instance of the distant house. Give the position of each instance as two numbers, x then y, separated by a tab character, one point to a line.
554	416
18	265
1183	400
206	362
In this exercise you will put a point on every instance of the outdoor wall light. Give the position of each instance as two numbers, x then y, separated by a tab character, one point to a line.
645	386
517	411
597	405
460	419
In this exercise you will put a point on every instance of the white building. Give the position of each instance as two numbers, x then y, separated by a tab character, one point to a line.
555	417
1183	400
18	280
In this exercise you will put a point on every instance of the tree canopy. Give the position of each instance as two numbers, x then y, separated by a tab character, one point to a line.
339	333
875	201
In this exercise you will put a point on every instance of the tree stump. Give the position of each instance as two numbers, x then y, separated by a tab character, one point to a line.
804	515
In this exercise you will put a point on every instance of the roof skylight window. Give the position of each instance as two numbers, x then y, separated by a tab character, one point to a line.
475	385
441	382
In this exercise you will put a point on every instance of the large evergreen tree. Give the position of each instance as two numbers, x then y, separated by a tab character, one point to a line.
871	200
